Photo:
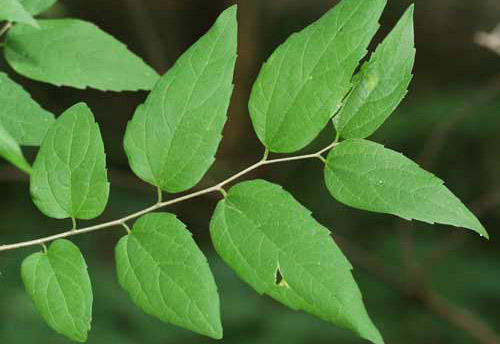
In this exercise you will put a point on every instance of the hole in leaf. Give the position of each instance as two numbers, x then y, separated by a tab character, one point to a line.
279	279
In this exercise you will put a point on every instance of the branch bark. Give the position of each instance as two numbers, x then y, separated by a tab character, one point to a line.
459	317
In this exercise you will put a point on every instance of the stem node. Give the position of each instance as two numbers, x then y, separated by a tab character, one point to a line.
160	204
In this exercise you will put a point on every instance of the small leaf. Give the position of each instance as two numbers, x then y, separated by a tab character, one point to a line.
69	177
167	276
72	52
20	115
13	10
303	83
274	244
172	139
365	175
37	6
10	150
59	285
381	84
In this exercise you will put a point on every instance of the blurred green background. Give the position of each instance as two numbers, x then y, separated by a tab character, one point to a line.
421	283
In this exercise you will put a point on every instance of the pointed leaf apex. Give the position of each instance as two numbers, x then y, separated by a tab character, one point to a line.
310	74
366	175
482	232
229	14
284	239
182	272
408	15
232	8
183	147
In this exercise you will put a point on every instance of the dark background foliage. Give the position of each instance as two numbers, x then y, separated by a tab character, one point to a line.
421	283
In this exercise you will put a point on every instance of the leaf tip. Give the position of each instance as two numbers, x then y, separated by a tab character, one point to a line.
483	233
232	9
409	14
371	333
216	333
477	227
75	109
229	14
81	337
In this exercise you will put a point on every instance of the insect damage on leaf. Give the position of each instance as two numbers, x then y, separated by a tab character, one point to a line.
270	240
274	244
280	281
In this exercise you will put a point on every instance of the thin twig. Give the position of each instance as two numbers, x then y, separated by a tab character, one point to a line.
459	317
366	259
5	28
121	221
489	40
457	238
418	289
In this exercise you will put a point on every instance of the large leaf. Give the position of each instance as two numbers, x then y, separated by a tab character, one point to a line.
172	139
10	150
37	6
71	52
381	84
274	244
365	175
20	115
59	285
166	274
69	177
303	83
13	10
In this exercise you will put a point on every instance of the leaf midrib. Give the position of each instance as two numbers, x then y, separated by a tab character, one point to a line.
158	265
273	92
280	250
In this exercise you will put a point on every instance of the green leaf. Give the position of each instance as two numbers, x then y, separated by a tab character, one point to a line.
303	83
275	245
69	177
13	10
59	285
72	52
381	84
20	115
10	150
167	276
365	175
37	6
172	139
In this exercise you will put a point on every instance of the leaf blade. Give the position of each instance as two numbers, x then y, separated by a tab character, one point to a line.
303	83
20	115
157	281
67	306
368	176
72	52
13	10
10	150
69	177
381	84
261	232
172	139
37	6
